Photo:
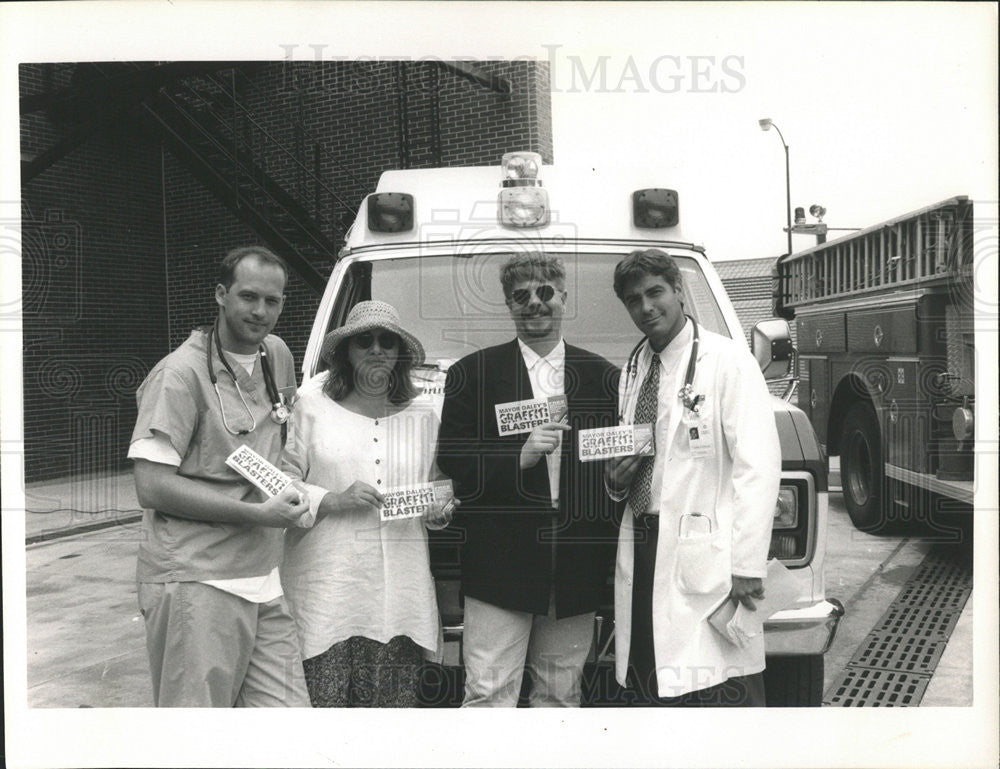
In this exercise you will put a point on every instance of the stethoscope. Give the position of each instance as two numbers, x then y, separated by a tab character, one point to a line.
686	393
279	410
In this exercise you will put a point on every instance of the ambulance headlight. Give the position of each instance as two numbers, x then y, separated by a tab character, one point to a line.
794	515
524	207
521	165
655	208
963	423
786	510
390	212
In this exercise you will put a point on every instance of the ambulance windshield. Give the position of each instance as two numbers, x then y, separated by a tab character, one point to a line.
456	305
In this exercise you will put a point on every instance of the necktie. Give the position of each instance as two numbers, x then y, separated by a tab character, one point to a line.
645	412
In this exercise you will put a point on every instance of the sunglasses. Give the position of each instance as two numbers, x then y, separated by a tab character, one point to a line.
523	295
386	340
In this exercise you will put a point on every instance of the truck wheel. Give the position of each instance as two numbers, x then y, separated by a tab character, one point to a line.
794	682
861	467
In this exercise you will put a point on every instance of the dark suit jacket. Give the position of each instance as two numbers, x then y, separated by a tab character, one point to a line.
512	535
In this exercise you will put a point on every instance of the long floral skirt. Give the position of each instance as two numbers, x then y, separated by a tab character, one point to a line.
360	672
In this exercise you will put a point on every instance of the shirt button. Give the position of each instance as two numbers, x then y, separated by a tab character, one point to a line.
379	481
376	421
376	440
378	461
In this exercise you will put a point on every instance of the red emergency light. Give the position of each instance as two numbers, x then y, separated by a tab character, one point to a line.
390	212
655	208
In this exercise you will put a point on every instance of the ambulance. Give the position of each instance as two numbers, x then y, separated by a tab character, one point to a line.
430	242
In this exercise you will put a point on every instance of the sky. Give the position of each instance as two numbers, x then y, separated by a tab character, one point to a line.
886	108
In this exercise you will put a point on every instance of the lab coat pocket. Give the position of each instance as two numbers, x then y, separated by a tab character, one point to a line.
702	567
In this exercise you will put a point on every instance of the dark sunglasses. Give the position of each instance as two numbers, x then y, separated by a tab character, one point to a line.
386	340
523	295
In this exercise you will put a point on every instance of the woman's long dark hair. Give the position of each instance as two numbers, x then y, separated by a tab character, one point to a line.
341	380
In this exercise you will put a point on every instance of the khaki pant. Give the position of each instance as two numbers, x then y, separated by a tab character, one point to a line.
210	648
499	644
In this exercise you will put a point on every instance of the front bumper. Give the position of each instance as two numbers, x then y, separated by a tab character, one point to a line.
803	631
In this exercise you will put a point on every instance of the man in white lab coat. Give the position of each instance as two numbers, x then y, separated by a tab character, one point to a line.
697	525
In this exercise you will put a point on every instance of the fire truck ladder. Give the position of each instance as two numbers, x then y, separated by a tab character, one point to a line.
931	245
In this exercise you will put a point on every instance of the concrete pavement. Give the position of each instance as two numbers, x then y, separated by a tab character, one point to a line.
71	505
86	644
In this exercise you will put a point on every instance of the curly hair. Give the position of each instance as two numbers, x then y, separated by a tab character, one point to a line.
341	379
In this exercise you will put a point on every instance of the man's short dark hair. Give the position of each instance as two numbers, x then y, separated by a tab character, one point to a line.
650	261
227	269
531	266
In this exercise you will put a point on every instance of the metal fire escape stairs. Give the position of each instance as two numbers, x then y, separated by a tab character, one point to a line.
269	172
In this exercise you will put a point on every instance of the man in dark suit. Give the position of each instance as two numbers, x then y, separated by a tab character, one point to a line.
539	532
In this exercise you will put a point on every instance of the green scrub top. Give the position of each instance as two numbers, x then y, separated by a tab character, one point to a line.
178	400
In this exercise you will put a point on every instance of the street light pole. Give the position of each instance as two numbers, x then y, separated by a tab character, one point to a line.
765	125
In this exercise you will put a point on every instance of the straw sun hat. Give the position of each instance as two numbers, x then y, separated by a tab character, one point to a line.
368	316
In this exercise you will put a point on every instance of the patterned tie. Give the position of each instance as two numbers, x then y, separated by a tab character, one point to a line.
645	412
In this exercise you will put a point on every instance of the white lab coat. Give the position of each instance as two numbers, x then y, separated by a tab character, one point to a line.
737	488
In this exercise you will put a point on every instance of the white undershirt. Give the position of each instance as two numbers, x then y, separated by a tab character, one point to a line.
159	449
548	378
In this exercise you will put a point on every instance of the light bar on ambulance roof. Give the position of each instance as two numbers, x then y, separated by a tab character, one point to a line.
655	208
522	201
390	212
520	165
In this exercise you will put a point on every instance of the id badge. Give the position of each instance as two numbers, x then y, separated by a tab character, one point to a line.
699	436
287	395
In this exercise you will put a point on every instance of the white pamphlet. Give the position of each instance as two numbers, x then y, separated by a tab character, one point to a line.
739	624
524	416
618	441
403	502
258	471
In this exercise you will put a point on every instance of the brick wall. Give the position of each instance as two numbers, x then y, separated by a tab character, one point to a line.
94	309
121	242
357	120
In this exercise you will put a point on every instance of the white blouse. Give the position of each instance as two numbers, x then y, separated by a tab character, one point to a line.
352	574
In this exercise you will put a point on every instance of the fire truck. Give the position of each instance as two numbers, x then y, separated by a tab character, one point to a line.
887	363
431	241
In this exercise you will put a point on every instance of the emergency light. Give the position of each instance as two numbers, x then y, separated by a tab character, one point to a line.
522	201
654	208
390	212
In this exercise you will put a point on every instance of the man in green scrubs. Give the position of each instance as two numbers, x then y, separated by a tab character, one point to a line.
218	629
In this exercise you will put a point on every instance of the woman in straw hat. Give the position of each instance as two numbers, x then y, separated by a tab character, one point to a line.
360	588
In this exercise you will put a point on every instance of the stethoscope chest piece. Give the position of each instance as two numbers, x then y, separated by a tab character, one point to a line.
280	413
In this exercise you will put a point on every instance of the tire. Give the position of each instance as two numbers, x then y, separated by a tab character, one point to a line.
794	682
862	468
